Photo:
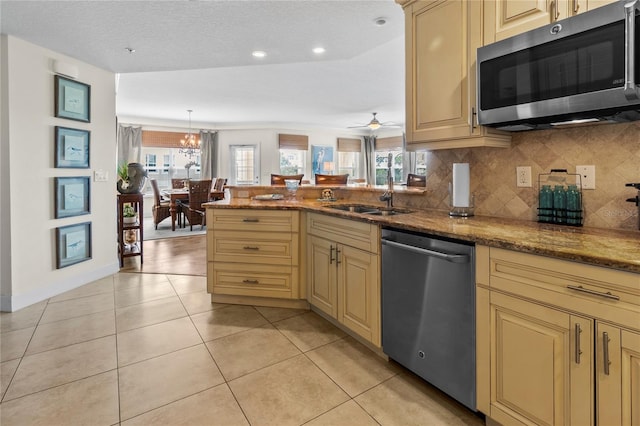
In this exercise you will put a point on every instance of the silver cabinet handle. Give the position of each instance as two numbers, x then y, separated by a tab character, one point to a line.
251	220
605	352
472	126
251	248
455	258
578	331
607	295
331	253
630	88
576	6
337	255
250	281
556	13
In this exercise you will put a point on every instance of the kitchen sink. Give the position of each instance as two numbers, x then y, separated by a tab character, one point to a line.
372	210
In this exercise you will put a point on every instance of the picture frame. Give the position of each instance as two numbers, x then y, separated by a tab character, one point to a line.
322	160
72	148
73	244
72	196
72	99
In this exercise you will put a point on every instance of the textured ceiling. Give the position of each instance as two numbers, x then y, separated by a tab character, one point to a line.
197	55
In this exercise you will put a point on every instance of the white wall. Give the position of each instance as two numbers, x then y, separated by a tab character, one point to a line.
28	139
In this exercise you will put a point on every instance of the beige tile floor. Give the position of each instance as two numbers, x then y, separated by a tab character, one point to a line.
145	349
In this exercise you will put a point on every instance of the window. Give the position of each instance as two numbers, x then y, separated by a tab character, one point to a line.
382	165
292	161
244	164
150	163
421	163
349	162
166	163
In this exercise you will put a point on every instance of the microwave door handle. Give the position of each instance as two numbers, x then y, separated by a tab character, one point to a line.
630	88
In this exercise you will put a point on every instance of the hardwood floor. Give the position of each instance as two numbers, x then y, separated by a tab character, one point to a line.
179	256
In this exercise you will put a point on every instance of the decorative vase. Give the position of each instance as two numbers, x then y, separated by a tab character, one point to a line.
135	183
130	220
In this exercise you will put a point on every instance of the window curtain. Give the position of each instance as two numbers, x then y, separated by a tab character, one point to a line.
370	159
129	144
208	154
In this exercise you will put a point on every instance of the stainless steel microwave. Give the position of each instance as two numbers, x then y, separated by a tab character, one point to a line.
583	68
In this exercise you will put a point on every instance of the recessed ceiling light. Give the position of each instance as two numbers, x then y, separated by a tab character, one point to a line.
319	50
130	49
380	21
259	54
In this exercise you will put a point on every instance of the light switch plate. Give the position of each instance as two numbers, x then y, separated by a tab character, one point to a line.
587	175
523	177
100	176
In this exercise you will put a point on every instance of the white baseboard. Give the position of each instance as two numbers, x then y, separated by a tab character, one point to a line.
13	303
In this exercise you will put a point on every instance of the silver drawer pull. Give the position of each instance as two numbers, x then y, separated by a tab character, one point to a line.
251	220
608	294
605	352
250	281
250	248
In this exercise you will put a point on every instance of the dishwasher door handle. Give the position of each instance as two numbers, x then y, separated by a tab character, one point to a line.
454	258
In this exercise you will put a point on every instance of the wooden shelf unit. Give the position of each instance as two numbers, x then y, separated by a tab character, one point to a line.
137	250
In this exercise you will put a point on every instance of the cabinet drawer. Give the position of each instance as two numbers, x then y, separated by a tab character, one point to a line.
362	235
242	279
603	293
254	220
252	247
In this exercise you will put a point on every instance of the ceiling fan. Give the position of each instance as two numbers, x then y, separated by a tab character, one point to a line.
375	124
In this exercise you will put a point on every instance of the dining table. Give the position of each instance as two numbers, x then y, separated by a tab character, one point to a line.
181	194
174	195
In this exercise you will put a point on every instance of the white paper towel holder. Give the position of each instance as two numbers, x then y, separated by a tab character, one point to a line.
460	211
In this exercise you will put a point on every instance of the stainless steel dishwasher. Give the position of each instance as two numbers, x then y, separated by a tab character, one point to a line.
428	310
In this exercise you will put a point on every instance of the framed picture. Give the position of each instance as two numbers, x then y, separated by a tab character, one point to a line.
73	244
322	160
72	148
73	99
72	196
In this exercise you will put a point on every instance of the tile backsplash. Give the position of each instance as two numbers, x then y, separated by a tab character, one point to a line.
614	149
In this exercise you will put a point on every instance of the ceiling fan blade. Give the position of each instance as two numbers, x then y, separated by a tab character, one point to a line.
358	127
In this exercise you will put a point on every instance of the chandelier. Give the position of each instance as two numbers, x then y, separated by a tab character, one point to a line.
189	146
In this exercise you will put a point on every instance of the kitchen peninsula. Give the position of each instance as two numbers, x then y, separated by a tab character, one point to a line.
566	299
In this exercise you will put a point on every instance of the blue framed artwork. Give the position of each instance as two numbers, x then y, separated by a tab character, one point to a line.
72	196
72	148
72	99
73	244
322	160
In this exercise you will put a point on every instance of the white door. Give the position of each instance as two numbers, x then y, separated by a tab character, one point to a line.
245	164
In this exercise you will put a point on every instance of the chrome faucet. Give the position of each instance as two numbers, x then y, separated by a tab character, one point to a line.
388	194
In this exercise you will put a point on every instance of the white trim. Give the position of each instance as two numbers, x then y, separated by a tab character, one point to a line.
13	303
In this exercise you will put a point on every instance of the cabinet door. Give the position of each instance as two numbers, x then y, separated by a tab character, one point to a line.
359	292
579	6
322	275
618	375
506	18
533	364
441	42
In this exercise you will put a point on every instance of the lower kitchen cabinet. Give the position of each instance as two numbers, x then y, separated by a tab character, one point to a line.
343	280
558	342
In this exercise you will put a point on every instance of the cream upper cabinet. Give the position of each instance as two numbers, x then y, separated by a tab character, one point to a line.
343	276
506	18
558	342
441	42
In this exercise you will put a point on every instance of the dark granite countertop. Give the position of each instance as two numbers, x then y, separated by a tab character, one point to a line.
602	247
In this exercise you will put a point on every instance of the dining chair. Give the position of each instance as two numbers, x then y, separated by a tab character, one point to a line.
177	183
416	180
160	209
279	179
217	189
192	210
332	179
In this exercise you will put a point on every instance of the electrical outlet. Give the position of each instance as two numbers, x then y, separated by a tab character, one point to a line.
587	175
523	177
